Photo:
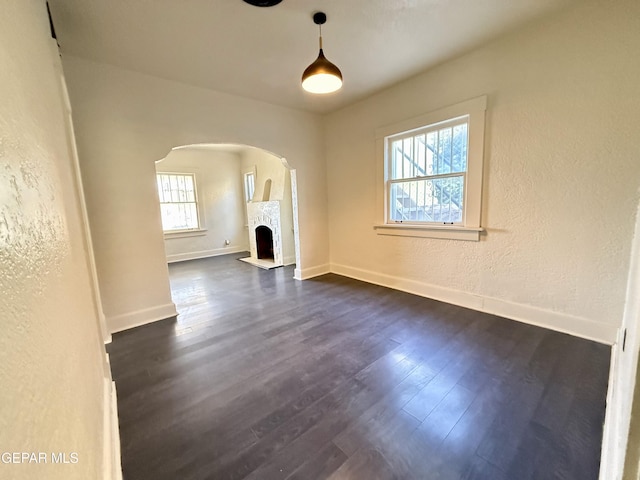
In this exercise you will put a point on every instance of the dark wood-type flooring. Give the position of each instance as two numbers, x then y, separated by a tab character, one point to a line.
263	377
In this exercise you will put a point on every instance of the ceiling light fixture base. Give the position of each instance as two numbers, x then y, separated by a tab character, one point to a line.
319	18
263	3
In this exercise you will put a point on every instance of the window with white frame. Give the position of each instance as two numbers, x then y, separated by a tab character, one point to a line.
249	186
178	201
428	169
433	173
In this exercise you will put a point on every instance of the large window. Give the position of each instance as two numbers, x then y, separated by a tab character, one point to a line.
178	201
432	183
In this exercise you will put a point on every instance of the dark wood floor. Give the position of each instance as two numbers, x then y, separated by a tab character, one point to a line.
264	377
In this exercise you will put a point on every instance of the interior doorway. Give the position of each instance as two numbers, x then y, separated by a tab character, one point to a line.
232	192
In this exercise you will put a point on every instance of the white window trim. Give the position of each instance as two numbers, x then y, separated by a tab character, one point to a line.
471	227
254	170
189	232
185	233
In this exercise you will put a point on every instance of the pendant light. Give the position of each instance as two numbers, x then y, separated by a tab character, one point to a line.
321	76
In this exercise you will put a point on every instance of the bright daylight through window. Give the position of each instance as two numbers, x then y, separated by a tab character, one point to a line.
428	172
433	173
178	204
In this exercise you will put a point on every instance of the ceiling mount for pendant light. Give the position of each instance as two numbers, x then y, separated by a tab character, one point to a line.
263	3
321	76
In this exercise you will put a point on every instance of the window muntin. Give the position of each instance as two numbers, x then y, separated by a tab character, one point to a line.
178	201
427	173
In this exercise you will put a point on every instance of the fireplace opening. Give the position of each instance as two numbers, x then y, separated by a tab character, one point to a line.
264	242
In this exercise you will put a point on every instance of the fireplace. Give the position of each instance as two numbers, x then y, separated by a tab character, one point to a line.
265	234
264	242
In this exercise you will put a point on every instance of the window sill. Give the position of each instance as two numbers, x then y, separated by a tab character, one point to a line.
451	232
185	233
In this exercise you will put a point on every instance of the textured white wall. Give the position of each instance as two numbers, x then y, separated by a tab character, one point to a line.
124	122
51	355
220	200
562	169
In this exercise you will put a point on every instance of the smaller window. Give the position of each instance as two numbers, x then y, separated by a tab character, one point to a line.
178	201
249	186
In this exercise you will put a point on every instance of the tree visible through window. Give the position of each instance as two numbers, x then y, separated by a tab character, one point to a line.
428	173
178	203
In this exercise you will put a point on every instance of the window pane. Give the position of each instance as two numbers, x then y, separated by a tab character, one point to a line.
459	148
249	186
396	159
189	190
182	189
436	200
177	201
179	216
173	185
160	192
432	149
420	155
446	150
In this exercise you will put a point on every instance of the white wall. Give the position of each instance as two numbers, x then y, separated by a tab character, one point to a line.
270	167
51	352
124	122
220	203
561	176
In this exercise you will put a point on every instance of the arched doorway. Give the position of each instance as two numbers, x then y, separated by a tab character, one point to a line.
234	185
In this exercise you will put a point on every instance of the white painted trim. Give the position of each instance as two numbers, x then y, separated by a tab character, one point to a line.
294	206
196	232
454	232
115	432
306	273
624	366
181	257
111	463
107	431
578	326
129	320
290	260
77	179
610	462
435	116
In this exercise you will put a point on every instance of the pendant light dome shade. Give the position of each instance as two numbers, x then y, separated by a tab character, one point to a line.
321	76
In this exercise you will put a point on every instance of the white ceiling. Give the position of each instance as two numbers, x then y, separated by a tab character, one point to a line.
260	53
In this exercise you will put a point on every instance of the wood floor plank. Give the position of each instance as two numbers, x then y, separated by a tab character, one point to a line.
327	461
262	377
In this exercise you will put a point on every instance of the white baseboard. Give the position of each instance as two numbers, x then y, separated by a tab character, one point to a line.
181	257
141	317
577	326
306	273
289	260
